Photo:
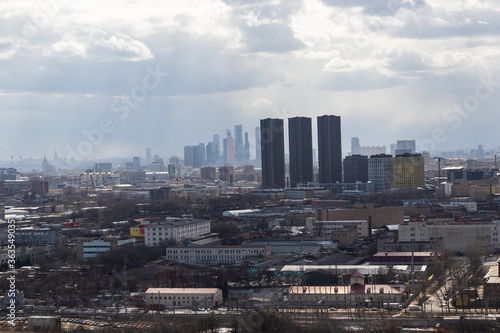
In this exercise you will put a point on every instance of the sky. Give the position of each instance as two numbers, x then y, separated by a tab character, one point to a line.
94	79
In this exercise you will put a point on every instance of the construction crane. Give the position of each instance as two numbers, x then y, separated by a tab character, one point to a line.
439	164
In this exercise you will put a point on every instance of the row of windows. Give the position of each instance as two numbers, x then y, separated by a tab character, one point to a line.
339	223
189	227
186	257
210	251
173	297
392	247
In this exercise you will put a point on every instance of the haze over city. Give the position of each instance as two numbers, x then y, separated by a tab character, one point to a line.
424	70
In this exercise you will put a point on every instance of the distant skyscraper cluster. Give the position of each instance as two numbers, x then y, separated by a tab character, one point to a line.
235	150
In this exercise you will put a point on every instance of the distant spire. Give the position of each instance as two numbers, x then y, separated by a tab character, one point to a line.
45	163
56	157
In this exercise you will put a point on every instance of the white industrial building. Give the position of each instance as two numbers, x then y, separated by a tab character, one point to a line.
215	255
174	231
456	235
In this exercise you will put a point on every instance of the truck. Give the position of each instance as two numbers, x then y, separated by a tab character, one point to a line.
414	308
393	306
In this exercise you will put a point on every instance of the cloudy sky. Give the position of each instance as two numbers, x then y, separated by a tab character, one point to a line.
109	78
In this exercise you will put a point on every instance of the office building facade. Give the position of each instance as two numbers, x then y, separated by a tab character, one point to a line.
380	172
356	169
408	171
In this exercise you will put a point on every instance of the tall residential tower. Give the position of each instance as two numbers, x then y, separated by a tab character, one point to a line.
329	149
273	153
300	147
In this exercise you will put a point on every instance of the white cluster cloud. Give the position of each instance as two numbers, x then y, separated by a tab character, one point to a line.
101	46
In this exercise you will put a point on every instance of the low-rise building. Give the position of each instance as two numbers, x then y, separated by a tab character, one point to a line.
28	255
492	286
357	293
137	232
327	228
346	236
87	248
174	231
183	297
387	244
215	255
240	294
378	216
31	236
294	246
401	258
456	235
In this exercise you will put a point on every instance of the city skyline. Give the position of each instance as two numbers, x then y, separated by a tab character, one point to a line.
156	74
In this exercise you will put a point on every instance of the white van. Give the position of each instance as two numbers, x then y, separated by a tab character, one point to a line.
414	308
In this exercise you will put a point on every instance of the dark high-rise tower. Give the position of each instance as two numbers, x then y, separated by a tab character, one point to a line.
272	143
300	146
329	149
